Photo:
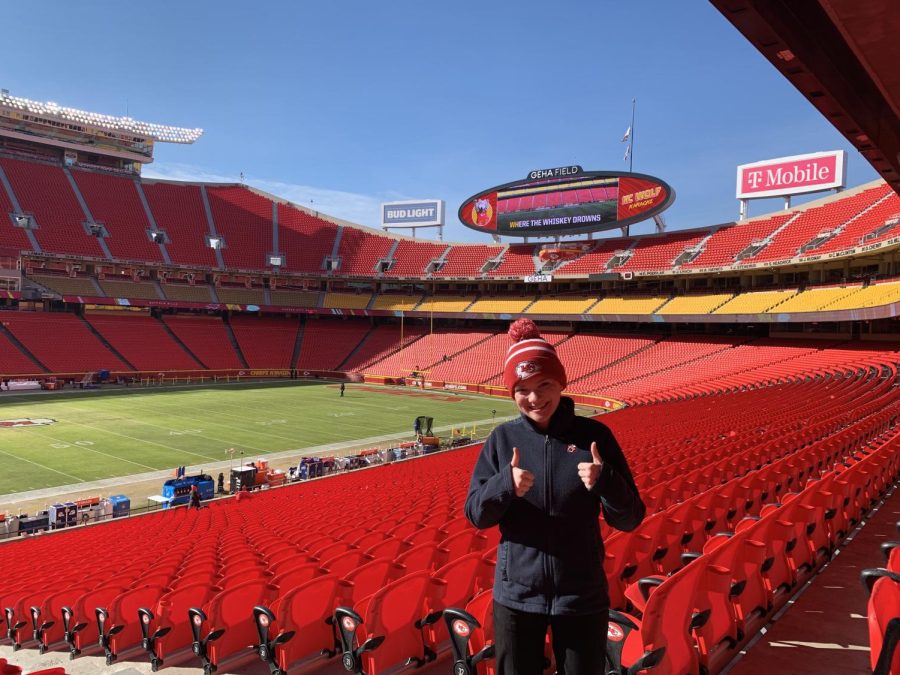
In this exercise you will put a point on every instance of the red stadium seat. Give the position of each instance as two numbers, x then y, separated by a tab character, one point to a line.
166	626
884	620
224	627
300	621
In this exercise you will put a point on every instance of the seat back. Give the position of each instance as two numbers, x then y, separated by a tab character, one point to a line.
884	626
171	611
232	610
393	612
305	610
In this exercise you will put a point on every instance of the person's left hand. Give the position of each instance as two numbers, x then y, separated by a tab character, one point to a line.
588	471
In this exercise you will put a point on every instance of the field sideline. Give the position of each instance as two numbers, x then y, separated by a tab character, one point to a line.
99	435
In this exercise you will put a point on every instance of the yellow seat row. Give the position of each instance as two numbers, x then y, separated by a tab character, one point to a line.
694	304
754	302
241	296
187	293
815	300
872	296
561	306
129	289
347	300
623	305
288	298
510	305
396	303
67	285
445	303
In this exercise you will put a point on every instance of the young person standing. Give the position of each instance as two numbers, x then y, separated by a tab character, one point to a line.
544	479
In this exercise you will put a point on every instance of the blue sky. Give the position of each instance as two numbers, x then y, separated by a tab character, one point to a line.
341	105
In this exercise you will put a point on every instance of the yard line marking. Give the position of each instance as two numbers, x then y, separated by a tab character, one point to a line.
244	415
296	423
139	440
246	429
120	482
99	452
23	459
321	433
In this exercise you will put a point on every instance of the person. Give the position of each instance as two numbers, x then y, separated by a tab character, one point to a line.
417	427
544	479
342	390
195	497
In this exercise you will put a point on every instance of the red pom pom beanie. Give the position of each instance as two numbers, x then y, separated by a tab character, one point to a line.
530	356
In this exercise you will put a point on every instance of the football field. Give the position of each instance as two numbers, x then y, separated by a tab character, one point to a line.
76	437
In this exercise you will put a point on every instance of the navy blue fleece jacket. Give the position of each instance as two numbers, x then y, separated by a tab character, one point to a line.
550	558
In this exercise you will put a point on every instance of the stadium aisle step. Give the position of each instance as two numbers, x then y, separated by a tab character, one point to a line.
298	344
824	629
234	342
105	342
180	343
22	348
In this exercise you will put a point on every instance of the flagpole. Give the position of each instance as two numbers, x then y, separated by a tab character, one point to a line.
631	140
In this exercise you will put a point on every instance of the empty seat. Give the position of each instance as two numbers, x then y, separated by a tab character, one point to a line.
225	628
883	615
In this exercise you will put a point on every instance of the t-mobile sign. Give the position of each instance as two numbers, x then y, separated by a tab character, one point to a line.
792	175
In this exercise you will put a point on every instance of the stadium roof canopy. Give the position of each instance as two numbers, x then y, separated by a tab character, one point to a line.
843	56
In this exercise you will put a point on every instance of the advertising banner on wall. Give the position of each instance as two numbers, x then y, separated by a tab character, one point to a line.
418	212
793	175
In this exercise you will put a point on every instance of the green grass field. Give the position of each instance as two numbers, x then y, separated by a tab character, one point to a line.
102	435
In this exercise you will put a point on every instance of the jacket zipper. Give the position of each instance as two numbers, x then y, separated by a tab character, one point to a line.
548	509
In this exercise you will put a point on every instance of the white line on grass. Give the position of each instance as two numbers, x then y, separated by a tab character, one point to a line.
139	440
87	448
217	415
204	435
247	429
121	482
43	466
297	423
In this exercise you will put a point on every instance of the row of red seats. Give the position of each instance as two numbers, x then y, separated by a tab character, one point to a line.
405	604
700	593
883	610
714	604
244	218
232	543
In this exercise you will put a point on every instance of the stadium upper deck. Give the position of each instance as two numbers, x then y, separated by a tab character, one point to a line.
74	213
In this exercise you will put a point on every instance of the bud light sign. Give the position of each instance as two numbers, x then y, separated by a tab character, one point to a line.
420	212
792	175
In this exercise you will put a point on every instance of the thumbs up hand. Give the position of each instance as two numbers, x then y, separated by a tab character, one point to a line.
522	479
588	471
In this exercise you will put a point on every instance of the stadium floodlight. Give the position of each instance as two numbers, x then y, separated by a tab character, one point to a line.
159	132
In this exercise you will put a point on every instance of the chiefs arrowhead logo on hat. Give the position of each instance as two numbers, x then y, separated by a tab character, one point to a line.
526	369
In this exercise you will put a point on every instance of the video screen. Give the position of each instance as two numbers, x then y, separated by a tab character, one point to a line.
565	205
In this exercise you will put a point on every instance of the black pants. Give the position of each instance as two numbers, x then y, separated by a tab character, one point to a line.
579	642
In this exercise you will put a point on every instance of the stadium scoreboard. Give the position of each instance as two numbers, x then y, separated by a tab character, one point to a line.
566	200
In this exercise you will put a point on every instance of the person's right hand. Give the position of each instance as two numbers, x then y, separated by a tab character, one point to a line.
522	479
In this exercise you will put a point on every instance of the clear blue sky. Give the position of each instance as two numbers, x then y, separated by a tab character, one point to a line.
341	105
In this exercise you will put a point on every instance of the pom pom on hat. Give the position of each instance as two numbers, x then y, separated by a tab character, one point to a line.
530	356
524	329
